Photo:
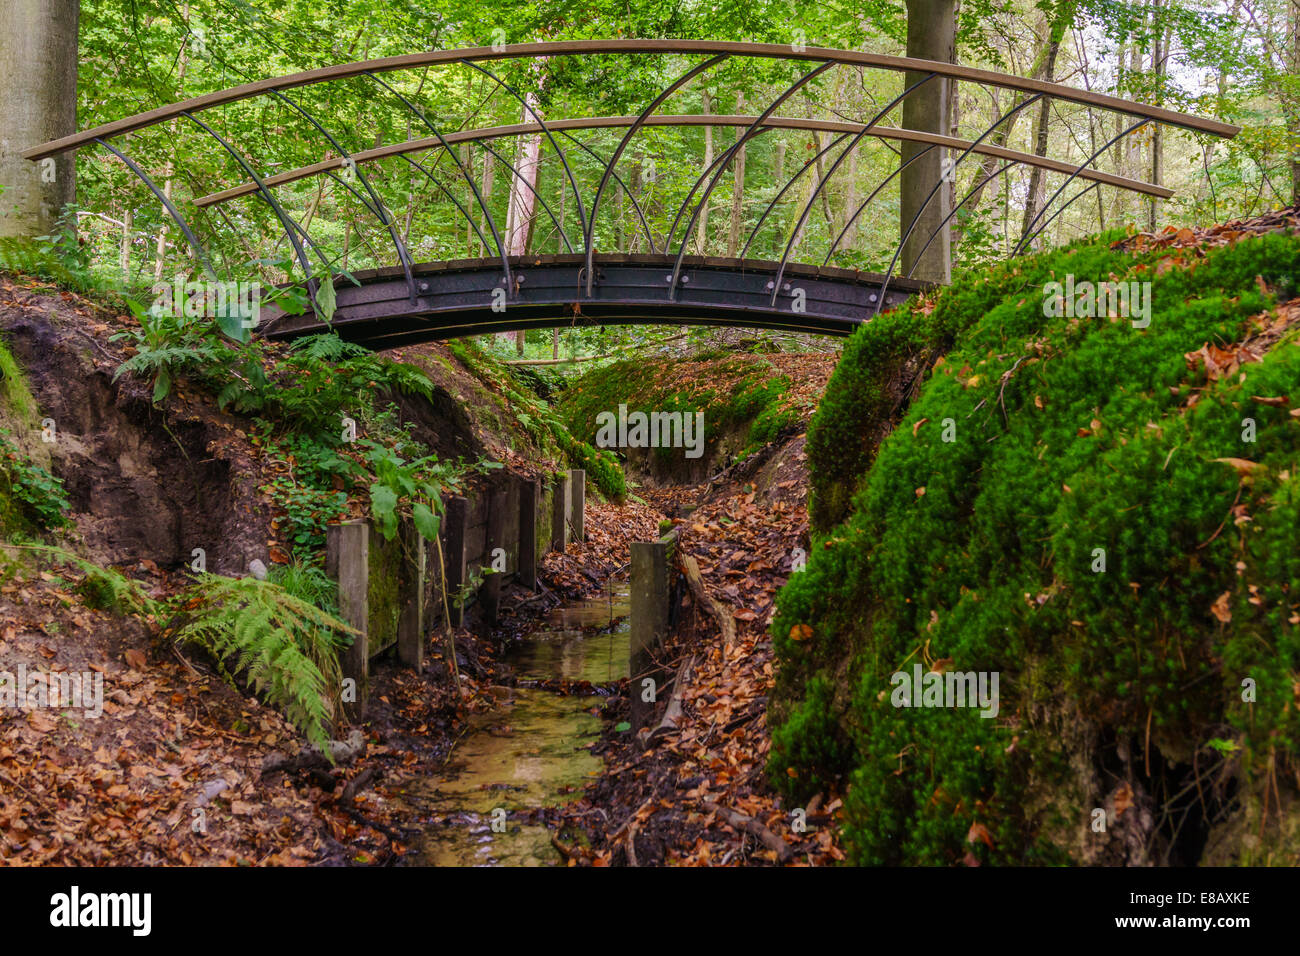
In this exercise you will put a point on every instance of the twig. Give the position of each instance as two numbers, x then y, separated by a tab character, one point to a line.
752	826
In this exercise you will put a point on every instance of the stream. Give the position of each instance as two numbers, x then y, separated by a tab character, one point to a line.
529	751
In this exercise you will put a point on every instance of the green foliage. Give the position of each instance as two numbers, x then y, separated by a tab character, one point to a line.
57	258
731	390
543	426
601	466
38	496
281	636
104	588
812	737
285	647
168	346
1071	435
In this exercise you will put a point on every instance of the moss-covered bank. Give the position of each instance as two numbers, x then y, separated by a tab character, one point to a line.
1105	516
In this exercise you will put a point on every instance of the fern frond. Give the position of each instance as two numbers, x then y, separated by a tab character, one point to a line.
285	648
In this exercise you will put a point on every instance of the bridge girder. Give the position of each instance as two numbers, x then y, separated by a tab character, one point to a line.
469	297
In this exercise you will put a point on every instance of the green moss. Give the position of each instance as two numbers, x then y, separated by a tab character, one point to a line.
383	593
732	391
1069	437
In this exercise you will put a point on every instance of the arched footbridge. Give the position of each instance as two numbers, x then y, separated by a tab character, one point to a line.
786	275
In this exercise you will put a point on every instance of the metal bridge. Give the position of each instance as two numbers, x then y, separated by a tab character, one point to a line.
412	302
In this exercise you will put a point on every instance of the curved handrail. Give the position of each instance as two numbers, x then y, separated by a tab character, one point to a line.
628	46
720	119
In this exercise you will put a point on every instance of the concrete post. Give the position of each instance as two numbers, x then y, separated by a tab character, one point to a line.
351	550
560	514
649	621
578	503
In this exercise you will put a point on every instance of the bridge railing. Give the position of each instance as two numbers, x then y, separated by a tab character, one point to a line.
578	217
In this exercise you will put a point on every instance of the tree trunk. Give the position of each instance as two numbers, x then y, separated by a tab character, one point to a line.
1159	57
523	199
38	87
737	189
702	230
1056	31
485	190
1293	25
931	35
160	251
124	252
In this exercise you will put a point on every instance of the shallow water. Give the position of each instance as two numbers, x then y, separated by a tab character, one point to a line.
528	752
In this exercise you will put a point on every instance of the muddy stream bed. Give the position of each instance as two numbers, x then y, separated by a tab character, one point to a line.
529	752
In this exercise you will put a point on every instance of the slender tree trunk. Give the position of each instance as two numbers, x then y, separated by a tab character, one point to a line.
1293	25
702	228
931	35
851	202
38	87
467	161
160	251
485	190
523	199
124	252
737	189
1159	67
1056	31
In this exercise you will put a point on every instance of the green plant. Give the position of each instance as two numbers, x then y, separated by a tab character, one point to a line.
170	345
104	588
307	582
1069	502
41	498
285	647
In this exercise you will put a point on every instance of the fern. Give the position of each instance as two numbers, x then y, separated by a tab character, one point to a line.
284	647
103	588
327	347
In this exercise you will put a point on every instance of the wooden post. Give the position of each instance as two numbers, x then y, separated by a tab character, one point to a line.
529	495
490	595
578	503
454	524
649	614
410	630
351	551
560	514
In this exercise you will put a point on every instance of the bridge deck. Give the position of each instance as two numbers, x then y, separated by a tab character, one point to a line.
468	297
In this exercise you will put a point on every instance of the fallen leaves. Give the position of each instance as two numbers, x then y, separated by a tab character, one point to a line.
1220	608
979	833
